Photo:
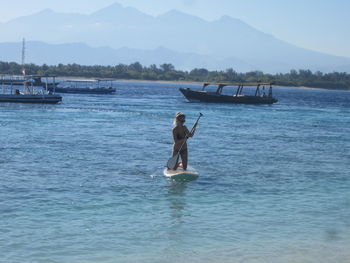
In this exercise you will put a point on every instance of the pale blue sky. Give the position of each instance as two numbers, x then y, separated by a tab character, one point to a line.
321	25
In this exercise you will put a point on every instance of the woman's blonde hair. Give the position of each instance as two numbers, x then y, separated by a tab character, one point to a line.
177	116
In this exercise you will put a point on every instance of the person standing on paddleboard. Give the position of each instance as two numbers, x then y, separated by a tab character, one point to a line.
180	136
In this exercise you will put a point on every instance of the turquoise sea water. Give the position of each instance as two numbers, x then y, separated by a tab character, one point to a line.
82	181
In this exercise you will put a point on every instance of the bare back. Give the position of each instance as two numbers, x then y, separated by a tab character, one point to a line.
179	135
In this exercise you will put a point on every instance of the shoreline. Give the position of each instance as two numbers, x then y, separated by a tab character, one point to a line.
81	78
186	82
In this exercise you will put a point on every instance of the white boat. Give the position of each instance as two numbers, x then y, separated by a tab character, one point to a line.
21	88
23	91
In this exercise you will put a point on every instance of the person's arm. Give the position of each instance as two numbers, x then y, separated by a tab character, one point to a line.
188	133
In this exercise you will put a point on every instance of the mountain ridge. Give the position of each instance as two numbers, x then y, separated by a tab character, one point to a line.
117	26
69	53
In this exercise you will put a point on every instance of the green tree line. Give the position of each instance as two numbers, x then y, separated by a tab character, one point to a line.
334	80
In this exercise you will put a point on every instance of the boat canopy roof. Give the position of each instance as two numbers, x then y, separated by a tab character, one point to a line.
27	76
239	84
87	80
41	76
81	80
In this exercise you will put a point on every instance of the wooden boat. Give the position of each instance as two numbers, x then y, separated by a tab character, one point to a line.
30	98
21	88
23	91
71	90
217	96
35	80
83	87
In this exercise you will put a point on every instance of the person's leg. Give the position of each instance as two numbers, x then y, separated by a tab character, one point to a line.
184	158
177	164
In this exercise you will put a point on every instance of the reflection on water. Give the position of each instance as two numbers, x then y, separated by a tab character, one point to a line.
177	199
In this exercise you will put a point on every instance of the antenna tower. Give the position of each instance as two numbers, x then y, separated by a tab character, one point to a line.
23	56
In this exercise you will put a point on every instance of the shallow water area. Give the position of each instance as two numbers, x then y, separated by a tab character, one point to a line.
274	180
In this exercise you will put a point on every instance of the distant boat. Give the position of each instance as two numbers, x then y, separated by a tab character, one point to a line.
23	91
27	88
35	80
30	98
83	87
262	94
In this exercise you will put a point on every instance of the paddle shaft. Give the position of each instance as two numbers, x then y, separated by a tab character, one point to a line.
192	130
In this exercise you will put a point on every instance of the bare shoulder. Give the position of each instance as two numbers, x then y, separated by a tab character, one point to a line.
176	129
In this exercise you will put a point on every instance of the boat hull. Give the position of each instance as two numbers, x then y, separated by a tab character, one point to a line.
213	97
83	90
28	98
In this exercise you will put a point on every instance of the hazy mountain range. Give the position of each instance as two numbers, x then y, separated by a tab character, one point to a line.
117	34
51	54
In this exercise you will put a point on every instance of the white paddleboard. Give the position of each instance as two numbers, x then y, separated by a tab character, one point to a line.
181	175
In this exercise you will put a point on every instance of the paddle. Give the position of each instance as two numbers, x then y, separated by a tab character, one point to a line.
172	162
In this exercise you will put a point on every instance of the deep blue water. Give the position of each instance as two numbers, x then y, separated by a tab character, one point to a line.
82	181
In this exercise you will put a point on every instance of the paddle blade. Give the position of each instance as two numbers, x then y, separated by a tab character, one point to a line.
172	162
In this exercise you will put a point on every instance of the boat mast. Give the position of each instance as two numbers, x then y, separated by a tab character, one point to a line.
23	56
23	70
